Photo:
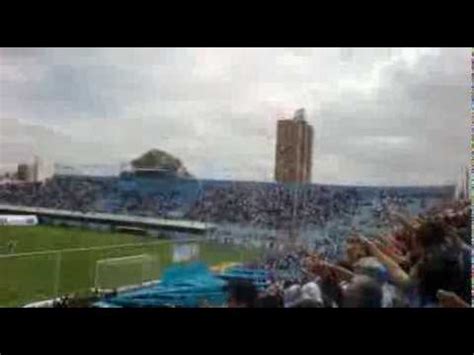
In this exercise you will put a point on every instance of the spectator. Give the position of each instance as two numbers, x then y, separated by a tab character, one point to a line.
440	269
397	261
242	294
363	292
269	301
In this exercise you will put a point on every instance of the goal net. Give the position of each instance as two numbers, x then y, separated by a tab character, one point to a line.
185	252
112	273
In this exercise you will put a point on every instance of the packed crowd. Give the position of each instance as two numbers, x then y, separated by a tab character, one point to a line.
259	205
276	205
59	193
88	195
423	262
150	205
281	207
420	262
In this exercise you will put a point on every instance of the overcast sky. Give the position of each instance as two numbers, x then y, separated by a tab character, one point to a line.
381	116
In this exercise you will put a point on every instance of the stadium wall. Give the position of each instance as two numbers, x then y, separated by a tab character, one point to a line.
154	227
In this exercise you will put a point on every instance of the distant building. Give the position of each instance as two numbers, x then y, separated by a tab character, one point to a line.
43	170
37	172
463	185
294	149
25	173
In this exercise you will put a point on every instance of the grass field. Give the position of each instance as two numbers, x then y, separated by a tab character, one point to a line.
51	261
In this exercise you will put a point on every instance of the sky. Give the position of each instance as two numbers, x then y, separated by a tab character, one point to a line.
381	116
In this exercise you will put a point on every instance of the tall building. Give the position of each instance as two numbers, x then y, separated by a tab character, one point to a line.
38	171
25	173
43	169
294	149
462	189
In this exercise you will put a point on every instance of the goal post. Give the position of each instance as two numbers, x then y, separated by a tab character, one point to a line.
113	273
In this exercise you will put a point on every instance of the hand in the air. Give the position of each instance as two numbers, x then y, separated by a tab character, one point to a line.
449	299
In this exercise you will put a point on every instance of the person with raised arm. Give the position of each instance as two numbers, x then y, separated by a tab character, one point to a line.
449	299
315	265
390	251
398	276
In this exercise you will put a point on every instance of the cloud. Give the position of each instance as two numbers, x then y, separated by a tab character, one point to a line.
381	116
414	127
21	141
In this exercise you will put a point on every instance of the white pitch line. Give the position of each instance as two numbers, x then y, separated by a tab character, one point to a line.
72	250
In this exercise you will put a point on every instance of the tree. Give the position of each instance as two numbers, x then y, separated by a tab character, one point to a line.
158	159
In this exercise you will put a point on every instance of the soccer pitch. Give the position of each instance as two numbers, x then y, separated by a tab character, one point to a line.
51	261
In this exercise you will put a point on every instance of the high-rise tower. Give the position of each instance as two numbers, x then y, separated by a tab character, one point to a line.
294	148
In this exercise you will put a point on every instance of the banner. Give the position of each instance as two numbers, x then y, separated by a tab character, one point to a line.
18	220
